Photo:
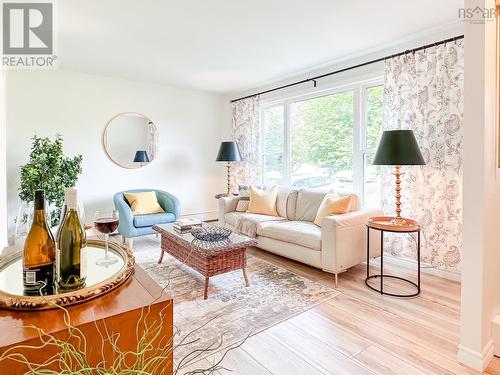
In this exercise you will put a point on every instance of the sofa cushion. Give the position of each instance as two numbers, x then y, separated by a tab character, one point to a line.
281	200
232	217
303	233
291	204
141	221
308	202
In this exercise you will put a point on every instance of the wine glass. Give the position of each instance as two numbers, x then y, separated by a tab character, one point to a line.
106	222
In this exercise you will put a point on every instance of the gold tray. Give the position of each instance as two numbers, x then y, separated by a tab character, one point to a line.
384	223
100	279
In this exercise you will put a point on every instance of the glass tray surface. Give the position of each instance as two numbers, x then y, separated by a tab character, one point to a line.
100	279
11	276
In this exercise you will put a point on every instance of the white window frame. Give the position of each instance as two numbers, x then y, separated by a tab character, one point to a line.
363	127
359	90
262	108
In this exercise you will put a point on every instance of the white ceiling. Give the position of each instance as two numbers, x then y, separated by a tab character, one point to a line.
231	45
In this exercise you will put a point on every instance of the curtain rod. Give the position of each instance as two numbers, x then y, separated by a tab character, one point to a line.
313	79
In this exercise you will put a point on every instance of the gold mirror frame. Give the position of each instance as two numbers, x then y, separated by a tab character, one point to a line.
105	138
16	302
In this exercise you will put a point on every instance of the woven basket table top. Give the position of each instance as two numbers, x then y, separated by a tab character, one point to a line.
234	241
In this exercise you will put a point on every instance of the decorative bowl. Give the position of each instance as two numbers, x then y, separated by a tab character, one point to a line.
211	233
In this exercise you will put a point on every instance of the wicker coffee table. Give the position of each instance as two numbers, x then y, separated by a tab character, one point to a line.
208	258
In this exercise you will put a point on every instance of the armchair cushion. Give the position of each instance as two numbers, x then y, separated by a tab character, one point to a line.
143	203
141	221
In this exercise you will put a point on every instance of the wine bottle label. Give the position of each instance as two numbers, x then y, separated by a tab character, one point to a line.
30	278
83	262
38	278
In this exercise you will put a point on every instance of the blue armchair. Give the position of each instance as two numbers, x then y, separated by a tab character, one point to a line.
140	225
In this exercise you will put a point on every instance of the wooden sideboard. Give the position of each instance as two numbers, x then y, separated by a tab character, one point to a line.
116	313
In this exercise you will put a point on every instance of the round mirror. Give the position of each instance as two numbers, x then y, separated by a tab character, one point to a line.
131	140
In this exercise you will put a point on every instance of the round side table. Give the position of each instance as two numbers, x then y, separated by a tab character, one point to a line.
383	224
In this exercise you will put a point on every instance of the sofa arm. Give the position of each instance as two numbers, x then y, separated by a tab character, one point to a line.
169	203
352	218
343	240
126	224
226	205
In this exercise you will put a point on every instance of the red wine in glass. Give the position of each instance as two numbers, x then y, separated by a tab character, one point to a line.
106	225
106	222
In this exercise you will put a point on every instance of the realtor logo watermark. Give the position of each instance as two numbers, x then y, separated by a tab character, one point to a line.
477	15
28	35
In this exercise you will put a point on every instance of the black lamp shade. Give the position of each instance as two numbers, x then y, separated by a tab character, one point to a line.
398	147
141	156
228	151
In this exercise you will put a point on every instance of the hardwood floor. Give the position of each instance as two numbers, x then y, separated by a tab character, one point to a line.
359	331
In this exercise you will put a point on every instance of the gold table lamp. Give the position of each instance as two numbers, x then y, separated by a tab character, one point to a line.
228	152
397	148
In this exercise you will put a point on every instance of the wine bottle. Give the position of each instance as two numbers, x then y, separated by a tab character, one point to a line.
39	255
71	246
64	210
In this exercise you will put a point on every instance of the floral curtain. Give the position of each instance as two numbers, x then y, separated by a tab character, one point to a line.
246	133
423	91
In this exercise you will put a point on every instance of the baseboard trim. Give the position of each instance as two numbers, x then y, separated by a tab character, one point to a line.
476	360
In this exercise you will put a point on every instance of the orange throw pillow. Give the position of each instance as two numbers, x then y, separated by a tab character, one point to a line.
263	202
332	204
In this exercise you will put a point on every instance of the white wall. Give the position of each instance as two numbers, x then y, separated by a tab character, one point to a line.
481	227
359	74
78	106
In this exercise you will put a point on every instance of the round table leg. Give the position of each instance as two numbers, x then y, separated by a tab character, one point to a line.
382	276
381	262
418	261
367	252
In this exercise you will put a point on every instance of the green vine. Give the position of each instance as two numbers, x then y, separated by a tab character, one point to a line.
49	169
152	355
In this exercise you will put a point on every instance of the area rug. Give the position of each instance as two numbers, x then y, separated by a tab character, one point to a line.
232	310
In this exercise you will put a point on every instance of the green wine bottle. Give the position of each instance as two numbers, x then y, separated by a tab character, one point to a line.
71	243
39	254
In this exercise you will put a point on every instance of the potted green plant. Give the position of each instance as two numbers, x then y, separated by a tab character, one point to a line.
48	169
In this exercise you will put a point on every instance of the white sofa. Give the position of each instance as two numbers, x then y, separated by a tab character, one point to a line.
337	245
